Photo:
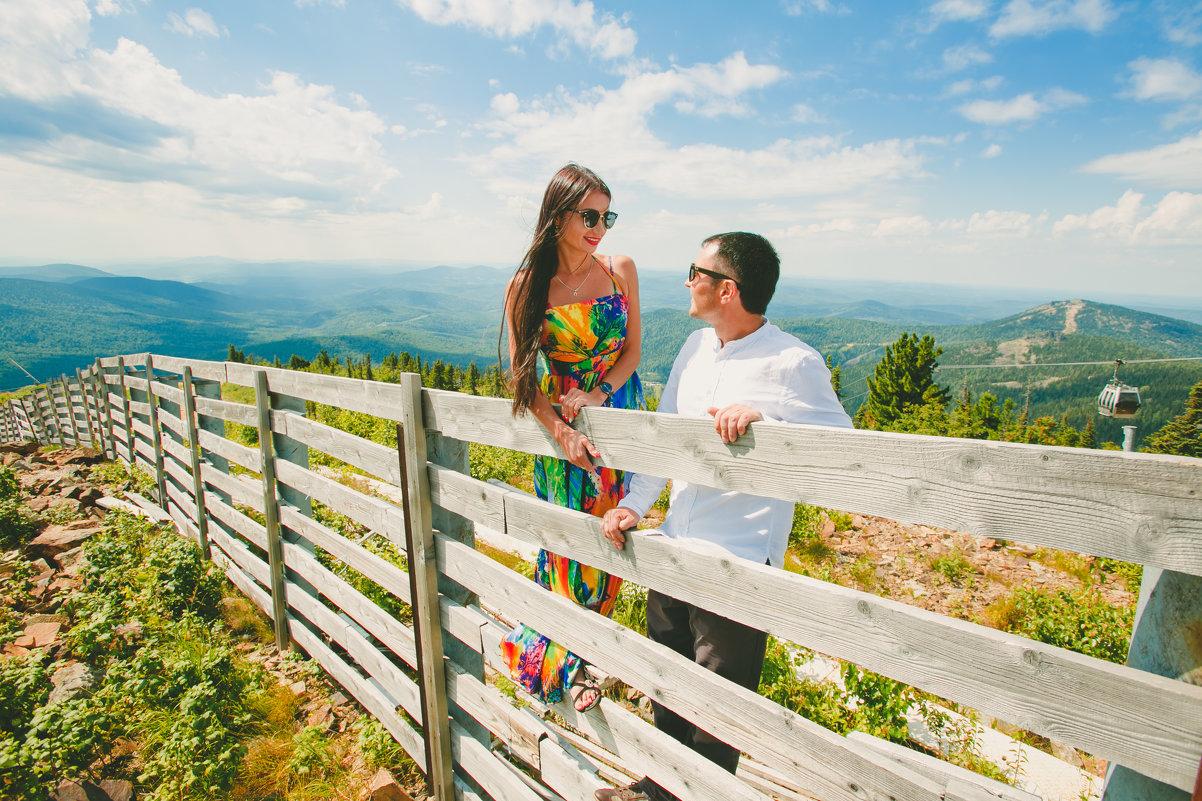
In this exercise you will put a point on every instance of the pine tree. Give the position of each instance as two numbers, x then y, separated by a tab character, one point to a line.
1182	435
836	376
367	373
904	377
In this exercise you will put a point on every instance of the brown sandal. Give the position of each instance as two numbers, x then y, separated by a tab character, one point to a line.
583	683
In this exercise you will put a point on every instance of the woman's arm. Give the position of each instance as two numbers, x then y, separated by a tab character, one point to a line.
632	350
575	445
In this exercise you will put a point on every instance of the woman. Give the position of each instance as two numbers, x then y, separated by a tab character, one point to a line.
576	313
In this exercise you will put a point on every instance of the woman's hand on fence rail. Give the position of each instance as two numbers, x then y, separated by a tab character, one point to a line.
576	399
576	447
616	522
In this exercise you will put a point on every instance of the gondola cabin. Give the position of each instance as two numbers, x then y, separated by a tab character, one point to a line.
1118	400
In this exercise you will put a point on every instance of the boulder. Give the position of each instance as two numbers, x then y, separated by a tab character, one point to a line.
22	448
384	788
57	539
37	635
76	790
82	455
118	789
69	681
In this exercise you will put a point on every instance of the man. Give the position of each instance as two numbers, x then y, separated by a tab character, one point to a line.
739	370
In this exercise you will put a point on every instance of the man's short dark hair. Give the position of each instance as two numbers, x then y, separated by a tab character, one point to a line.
752	261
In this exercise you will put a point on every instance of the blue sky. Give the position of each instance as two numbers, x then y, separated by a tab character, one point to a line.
1035	143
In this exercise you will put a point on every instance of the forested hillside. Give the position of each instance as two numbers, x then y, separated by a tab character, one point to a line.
69	314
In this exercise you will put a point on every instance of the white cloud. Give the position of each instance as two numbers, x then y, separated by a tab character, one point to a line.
964	56
1023	108
38	43
795	8
1034	18
1163	79
291	140
603	34
992	152
1176	165
1001	222
1177	215
334	3
1120	217
613	126
1176	218
904	226
1182	24
958	10
806	114
194	22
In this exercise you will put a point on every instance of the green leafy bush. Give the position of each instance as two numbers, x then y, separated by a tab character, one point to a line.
1081	621
18	525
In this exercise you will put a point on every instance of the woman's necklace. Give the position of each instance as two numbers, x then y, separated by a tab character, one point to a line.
576	291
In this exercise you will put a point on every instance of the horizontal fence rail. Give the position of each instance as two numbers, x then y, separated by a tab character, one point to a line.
408	616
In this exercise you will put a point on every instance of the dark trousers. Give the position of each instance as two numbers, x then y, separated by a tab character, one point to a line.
732	650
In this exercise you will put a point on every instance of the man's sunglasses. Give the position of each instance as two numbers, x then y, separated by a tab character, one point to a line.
591	217
694	269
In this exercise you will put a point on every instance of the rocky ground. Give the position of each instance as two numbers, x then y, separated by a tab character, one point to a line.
59	486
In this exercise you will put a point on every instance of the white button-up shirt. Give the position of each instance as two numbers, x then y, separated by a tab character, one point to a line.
770	371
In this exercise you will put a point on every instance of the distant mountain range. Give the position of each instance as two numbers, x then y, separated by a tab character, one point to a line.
54	318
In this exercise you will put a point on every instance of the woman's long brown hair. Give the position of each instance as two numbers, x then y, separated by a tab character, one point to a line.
532	280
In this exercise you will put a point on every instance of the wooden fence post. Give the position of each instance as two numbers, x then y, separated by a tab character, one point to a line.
453	453
128	422
37	419
198	487
70	422
1167	641
160	473
275	554
94	440
105	409
423	587
41	416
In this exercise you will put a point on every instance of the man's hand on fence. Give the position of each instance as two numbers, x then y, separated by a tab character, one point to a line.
731	421
616	522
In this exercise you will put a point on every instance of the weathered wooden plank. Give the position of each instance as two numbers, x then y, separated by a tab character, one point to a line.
760	728
518	728
213	371
378	460
182	502
1143	721
625	739
240	579
376	514
168	392
240	455
498	778
371	397
227	410
388	630
368	655
239	491
178	453
423	582
390	577
566	771
373	698
249	563
1141	508
252	530
480	502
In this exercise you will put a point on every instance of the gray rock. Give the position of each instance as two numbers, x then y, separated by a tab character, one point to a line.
69	681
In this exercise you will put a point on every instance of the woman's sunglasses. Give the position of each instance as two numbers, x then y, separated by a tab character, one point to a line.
694	269
591	217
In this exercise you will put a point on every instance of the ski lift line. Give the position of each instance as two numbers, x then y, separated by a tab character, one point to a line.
1061	364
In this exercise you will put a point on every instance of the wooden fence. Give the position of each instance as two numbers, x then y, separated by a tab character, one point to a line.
427	682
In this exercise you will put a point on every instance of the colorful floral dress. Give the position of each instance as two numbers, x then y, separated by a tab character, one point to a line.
581	342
